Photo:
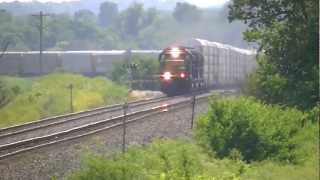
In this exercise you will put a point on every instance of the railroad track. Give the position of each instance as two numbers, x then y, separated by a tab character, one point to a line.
65	122
34	135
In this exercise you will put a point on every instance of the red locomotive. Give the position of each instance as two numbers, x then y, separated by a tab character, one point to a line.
181	70
200	64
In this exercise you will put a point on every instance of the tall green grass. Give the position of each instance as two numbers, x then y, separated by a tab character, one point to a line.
50	95
185	160
162	160
10	87
239	138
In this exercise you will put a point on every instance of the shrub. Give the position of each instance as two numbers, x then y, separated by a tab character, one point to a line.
183	160
163	159
256	130
10	87
146	69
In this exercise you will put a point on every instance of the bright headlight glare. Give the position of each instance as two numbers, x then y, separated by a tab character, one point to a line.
167	75
175	52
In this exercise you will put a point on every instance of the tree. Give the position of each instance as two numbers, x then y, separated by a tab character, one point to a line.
186	13
108	13
287	31
60	28
85	30
133	19
149	17
108	40
84	15
6	37
5	16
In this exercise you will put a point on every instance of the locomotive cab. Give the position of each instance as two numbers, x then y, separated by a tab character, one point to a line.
180	67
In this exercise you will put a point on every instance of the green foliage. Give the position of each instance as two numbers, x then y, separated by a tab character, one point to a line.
146	68
163	159
267	84
242	128
186	13
10	88
84	15
257	131
287	31
108	13
134	27
49	95
308	152
5	16
181	159
132	19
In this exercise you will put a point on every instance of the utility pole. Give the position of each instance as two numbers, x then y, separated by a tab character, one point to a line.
193	98
40	16
193	103
124	126
71	97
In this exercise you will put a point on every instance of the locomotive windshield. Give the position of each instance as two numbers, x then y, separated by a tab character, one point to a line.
168	63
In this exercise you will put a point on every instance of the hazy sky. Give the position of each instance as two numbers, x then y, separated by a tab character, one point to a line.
201	3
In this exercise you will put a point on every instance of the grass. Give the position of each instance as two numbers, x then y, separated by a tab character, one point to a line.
167	159
184	159
30	99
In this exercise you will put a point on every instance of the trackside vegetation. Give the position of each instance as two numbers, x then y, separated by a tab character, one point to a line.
239	138
252	130
29	99
287	33
144	70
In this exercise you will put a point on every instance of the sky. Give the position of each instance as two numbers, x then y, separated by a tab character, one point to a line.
206	3
200	3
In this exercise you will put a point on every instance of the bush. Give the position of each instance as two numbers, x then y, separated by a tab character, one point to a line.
163	159
183	160
146	69
235	129
257	131
10	87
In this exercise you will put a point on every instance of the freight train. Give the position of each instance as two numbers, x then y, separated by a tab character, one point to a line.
90	63
199	64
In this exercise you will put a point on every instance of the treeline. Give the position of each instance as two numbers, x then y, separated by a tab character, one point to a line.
288	35
135	27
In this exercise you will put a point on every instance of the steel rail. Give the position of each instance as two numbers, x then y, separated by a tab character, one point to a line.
48	120
14	148
50	127
29	144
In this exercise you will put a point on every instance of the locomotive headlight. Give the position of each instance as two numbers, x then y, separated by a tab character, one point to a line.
175	52
182	75
167	75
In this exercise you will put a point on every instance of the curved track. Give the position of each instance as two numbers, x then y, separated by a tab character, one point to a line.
34	135
60	123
